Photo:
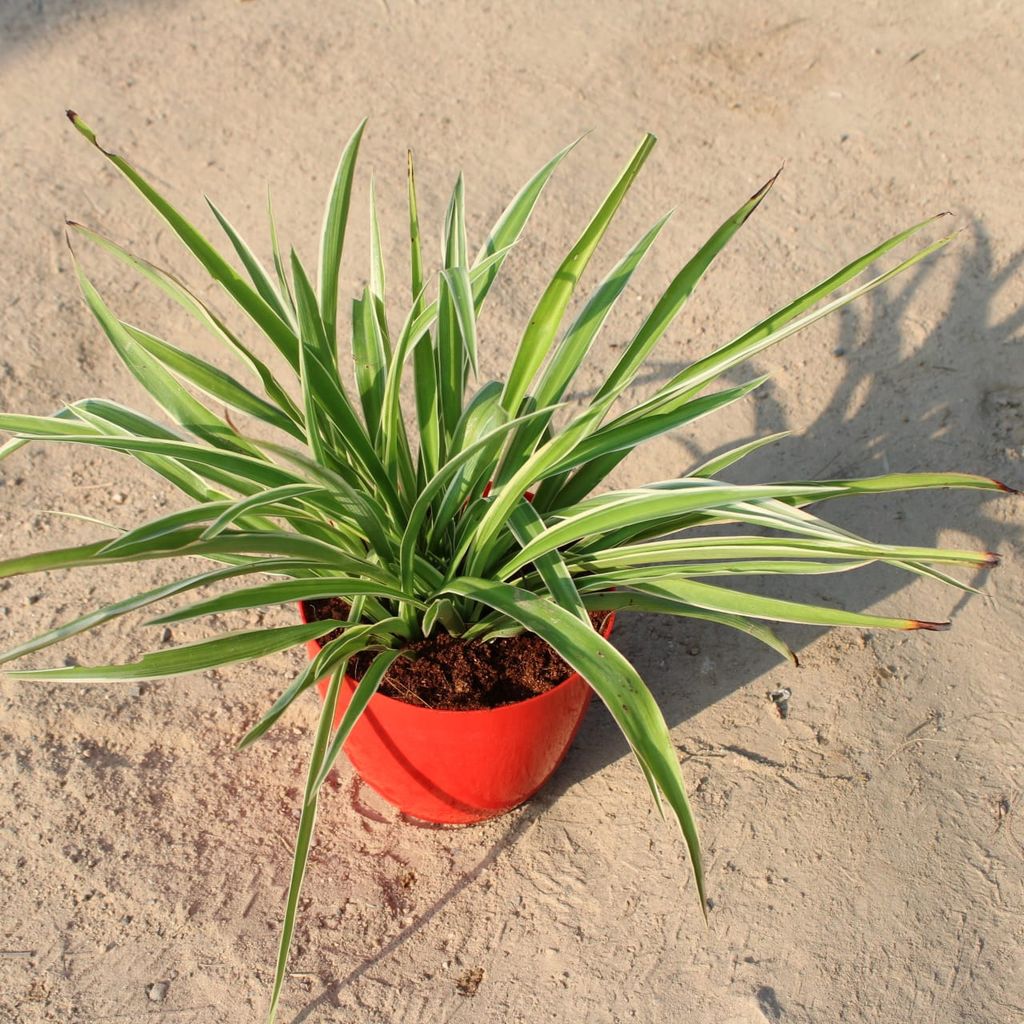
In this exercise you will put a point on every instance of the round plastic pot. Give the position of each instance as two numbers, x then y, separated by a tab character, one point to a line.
458	767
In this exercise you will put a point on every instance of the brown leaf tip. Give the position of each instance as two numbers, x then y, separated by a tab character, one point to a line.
936	627
1005	487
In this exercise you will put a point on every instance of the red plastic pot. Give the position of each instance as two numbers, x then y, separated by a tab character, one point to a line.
458	767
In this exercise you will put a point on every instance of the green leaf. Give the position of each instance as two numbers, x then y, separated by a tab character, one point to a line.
57	558
259	277
171	396
111	419
576	343
898	482
451	345
329	413
365	689
415	330
784	323
378	275
746	567
603	450
443	611
526	524
284	288
481	415
415	252
287	592
130	604
314	350
719	599
241	472
141	536
240	509
358	507
115	420
424	370
616	683
332	239
457	279
509	226
179	294
481	541
195	657
216	383
417	517
625	600
669	305
354	638
369	356
307	820
639	507
685	550
714	466
218	268
540	333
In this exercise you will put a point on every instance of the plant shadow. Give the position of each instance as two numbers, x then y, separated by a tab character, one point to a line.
856	434
894	409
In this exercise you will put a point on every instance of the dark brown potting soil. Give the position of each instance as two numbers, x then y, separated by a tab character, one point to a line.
452	674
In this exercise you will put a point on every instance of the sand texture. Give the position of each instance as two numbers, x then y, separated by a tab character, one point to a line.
864	855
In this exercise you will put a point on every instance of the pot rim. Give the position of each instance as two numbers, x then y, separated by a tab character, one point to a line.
575	677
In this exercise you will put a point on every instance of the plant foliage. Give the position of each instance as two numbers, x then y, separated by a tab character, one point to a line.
347	501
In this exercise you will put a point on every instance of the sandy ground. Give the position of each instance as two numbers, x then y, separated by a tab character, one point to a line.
864	855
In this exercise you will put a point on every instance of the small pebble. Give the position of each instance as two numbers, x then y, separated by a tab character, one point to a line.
781	698
166	636
118	498
157	992
469	983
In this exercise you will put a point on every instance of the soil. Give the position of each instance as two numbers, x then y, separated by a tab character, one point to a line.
452	674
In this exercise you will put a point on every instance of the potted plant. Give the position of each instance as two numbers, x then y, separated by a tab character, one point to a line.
494	530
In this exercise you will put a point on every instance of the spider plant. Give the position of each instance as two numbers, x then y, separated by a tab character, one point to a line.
326	490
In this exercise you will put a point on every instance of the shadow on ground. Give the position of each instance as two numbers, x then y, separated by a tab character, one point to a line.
22	22
891	412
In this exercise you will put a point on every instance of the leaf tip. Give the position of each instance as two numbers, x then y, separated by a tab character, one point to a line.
81	126
936	627
755	200
1006	488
